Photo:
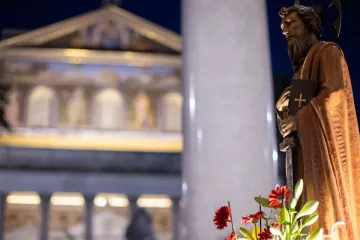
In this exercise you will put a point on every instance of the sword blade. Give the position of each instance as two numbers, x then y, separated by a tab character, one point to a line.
289	169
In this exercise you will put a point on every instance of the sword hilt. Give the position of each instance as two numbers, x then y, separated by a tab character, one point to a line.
289	142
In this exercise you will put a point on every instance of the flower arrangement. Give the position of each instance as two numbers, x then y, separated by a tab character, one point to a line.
286	224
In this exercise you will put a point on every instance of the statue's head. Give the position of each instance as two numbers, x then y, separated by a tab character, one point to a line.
302	27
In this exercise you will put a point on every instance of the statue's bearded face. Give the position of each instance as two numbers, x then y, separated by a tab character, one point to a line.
298	38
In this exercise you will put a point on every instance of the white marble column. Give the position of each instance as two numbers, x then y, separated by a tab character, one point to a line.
229	136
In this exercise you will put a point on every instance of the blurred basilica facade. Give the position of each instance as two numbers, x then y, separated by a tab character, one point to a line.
95	104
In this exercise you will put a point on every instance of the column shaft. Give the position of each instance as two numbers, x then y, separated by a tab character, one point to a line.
89	207
176	218
2	215
45	213
133	204
228	120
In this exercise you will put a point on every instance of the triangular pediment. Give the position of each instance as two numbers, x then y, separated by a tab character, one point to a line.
109	28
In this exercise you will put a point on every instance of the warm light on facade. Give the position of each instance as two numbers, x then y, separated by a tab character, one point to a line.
128	55
118	202
67	199
76	52
101	200
23	198
154	201
112	200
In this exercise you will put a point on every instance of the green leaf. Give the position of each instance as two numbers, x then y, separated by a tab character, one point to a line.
262	201
285	223
246	233
299	235
297	193
316	235
309	208
284	214
294	228
298	189
310	220
293	203
256	230
292	211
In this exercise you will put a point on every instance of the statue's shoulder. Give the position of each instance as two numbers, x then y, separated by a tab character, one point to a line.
329	50
322	53
330	45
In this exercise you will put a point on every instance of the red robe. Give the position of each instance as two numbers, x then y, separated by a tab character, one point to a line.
327	157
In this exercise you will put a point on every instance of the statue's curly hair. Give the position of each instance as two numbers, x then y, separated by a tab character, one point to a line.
308	15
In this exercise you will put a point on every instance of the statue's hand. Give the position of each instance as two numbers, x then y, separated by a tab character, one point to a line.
283	100
288	125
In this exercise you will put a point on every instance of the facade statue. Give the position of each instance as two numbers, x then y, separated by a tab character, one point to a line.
171	112
40	107
326	154
111	35
76	109
142	111
12	109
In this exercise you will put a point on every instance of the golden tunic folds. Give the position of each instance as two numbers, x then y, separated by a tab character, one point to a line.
327	157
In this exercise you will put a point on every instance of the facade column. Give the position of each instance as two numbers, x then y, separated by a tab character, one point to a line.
45	210
228	122
89	209
176	218
2	214
133	204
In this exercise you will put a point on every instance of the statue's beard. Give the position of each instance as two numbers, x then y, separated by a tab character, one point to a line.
298	49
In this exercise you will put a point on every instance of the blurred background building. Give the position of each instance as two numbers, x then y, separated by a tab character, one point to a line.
95	107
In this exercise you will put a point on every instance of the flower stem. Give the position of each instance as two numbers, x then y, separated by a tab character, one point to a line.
266	222
260	218
231	218
271	211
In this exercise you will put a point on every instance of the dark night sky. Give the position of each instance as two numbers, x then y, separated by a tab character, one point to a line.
31	14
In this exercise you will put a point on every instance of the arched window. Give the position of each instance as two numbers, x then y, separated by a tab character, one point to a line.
40	107
109	109
171	106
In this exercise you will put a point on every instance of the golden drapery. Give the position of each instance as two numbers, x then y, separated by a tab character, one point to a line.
328	155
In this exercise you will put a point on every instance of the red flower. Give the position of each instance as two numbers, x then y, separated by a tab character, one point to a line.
276	225
275	197
252	218
259	215
231	237
222	216
265	235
